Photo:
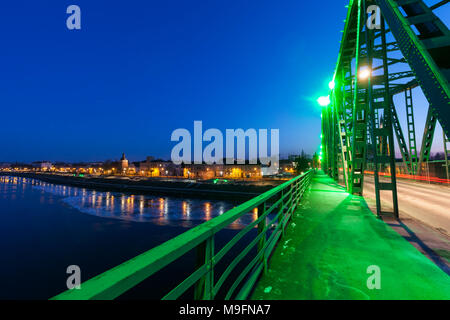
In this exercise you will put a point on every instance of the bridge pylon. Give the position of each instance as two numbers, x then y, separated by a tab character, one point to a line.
388	47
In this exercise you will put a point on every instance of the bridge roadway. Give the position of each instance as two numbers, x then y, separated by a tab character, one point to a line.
427	203
332	239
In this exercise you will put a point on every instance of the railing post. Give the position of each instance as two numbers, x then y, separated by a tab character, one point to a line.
289	207
262	229
280	208
298	184
204	289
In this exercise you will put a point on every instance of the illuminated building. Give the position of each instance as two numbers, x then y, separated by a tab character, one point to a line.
42	165
123	163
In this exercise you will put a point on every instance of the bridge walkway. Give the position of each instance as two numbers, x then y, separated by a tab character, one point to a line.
331	241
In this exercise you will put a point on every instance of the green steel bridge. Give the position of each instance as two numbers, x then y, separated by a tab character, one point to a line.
314	236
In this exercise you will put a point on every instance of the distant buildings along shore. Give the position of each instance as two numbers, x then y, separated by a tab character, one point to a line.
152	167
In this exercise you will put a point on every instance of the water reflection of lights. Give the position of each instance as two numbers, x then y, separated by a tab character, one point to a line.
161	206
208	210
185	209
141	208
122	204
166	208
112	204
130	205
141	205
163	211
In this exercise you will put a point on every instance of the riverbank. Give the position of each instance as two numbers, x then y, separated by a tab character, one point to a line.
234	190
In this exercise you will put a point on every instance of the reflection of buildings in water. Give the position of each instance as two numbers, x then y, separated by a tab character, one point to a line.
161	206
221	209
184	208
82	200
166	208
122	204
207	211
141	205
255	214
161	210
130	205
112	204
188	209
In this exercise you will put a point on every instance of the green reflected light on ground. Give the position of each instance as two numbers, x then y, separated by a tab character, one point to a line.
332	240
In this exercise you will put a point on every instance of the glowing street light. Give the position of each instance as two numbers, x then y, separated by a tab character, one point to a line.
364	73
324	101
331	85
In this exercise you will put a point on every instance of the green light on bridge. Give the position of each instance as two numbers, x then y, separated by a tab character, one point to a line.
331	85
324	101
364	73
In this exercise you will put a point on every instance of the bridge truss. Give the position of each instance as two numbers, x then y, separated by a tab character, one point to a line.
408	47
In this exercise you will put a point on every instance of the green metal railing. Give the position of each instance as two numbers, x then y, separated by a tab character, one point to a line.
125	276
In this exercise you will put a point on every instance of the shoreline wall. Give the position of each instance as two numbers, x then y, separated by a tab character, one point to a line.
229	191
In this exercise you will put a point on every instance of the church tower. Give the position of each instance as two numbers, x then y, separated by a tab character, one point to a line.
123	163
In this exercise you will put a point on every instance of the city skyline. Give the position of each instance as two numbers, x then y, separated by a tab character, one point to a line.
134	74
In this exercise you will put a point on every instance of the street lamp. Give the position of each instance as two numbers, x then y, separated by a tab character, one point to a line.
324	101
364	73
331	85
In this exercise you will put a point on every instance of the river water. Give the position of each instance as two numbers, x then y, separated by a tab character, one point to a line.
46	227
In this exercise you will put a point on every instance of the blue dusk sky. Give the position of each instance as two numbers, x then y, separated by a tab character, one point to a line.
138	70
